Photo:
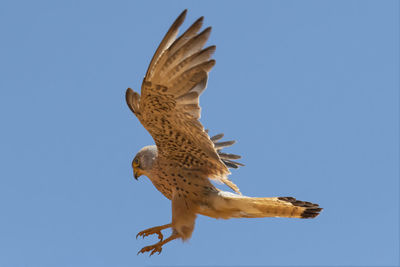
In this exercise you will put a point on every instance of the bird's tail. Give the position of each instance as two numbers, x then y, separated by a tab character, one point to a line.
228	205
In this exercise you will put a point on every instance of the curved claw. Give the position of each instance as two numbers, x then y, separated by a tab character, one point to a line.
154	248
146	233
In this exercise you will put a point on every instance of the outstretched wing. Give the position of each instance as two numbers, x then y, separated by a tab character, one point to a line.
169	103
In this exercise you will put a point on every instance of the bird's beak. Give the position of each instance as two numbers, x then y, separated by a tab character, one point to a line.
136	171
135	174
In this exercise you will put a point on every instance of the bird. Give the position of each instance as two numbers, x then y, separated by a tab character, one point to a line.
185	159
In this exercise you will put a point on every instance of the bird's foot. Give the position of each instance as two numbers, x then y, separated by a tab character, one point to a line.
153	248
151	231
158	246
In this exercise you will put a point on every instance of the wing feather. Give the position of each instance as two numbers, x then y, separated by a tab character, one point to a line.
190	78
166	42
169	60
187	35
190	62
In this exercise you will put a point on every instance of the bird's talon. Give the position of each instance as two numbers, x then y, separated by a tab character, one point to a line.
153	249
148	232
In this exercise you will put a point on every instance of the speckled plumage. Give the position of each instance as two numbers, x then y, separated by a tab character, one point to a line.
185	157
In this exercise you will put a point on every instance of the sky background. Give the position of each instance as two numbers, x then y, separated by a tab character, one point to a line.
308	88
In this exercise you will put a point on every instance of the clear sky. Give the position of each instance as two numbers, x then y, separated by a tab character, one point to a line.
309	89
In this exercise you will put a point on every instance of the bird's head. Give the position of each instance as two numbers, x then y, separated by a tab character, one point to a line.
143	161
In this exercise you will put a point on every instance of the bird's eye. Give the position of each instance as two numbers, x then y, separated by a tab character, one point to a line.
136	161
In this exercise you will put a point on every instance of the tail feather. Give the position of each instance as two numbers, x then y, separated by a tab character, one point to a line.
311	210
228	205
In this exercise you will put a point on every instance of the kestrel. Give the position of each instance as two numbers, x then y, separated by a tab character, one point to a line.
184	157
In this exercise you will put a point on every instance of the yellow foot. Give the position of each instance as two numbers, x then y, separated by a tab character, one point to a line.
158	247
151	231
153	248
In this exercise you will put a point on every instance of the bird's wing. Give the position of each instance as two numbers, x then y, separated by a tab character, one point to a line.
168	106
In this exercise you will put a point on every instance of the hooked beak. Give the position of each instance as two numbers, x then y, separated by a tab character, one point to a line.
135	174
136	171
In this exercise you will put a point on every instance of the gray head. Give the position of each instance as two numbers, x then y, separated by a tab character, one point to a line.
143	161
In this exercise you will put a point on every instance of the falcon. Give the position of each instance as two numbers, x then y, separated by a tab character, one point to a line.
185	158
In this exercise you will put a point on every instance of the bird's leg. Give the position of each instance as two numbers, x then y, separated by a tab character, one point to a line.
154	230
158	246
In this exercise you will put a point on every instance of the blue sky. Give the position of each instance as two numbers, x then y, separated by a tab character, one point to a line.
308	88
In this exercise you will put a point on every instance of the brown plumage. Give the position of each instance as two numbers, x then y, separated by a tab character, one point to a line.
185	157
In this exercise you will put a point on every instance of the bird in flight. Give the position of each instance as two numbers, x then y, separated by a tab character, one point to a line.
184	157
